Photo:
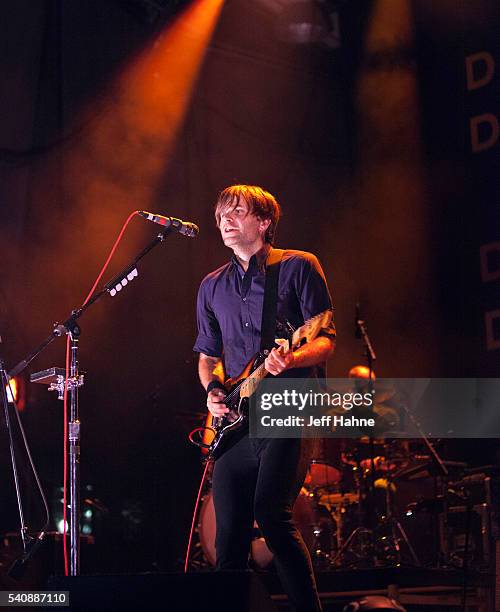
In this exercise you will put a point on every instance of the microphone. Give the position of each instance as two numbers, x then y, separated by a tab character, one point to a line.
183	227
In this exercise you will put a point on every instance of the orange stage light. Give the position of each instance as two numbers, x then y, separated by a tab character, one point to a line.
16	393
121	159
118	162
12	390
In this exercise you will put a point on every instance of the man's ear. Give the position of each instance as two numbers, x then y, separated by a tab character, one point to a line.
264	224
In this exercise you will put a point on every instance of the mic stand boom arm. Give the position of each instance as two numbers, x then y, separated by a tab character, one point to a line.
71	328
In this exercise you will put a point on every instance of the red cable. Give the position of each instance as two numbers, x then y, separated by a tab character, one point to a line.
111	253
68	349
65	450
186	562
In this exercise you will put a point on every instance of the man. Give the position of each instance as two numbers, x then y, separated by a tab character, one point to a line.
259	478
387	407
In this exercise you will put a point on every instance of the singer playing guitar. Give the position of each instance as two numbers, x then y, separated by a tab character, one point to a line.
259	478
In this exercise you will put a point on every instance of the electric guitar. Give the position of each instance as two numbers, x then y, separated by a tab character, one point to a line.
232	426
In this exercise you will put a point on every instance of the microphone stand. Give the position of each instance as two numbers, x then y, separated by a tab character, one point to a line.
30	543
362	333
4	382
368	526
369	352
441	476
71	328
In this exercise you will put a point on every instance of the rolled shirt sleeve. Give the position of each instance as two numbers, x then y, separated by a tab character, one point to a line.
209	339
312	291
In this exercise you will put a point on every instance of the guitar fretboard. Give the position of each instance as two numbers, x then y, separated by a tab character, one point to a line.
250	384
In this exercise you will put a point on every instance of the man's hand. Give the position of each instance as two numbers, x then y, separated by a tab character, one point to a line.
214	403
277	362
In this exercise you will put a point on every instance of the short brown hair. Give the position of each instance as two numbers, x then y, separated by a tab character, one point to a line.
261	203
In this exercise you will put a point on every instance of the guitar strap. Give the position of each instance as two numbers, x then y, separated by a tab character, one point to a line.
270	305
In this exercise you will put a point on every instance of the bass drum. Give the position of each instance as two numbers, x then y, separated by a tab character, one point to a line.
313	521
260	553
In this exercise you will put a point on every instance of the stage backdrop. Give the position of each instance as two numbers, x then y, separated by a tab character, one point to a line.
376	127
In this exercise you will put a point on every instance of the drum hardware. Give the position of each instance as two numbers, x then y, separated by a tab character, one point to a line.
332	503
342	507
424	466
315	524
375	543
361	542
459	510
466	534
334	500
366	534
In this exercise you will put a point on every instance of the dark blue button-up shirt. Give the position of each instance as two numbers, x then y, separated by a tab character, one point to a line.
230	300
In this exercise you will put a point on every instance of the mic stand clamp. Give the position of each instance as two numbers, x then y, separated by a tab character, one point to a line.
54	378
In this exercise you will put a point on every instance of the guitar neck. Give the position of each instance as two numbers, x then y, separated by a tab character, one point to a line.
252	382
306	332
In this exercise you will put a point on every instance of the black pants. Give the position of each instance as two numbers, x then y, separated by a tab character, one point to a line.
260	479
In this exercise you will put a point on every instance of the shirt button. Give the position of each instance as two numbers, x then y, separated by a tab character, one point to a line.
245	299
246	324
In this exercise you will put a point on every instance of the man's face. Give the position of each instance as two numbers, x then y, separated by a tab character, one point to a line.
239	227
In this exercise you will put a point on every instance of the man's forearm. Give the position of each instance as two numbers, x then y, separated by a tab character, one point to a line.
207	367
313	353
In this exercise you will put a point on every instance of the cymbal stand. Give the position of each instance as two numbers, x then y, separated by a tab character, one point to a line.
364	532
366	551
441	475
371	538
320	557
390	520
368	531
362	333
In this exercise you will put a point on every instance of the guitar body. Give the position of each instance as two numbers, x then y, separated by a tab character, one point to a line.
231	428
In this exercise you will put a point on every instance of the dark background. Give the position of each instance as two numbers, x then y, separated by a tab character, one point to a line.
366	146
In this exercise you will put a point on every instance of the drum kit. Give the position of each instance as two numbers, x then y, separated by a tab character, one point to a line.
345	510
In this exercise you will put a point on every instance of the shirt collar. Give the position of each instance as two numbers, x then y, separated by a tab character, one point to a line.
258	259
